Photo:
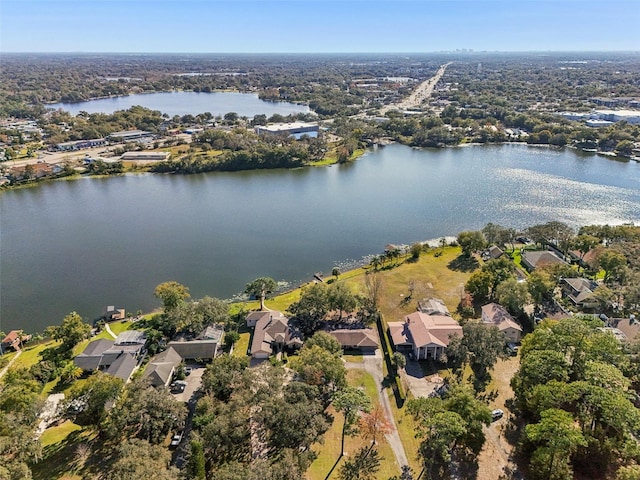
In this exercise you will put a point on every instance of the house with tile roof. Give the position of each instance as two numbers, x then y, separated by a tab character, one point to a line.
495	314
427	336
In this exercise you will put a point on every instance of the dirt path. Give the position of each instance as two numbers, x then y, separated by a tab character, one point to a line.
495	459
5	369
420	95
373	366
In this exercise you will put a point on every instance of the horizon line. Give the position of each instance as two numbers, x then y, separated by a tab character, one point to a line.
456	51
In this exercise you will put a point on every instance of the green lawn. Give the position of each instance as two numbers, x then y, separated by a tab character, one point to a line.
242	345
31	355
329	451
57	434
430	275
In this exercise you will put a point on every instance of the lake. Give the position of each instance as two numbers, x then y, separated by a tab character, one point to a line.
184	103
84	244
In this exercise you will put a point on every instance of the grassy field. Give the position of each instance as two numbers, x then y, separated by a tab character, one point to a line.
329	450
442	276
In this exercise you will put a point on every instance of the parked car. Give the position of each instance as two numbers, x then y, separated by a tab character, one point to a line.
176	439
496	414
178	386
187	371
512	349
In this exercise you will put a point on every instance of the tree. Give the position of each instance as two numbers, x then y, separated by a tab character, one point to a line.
613	263
373	285
311	308
350	401
230	338
138	459
260	287
399	360
317	366
479	285
471	241
223	374
513	295
540	286
145	413
480	346
294	421
374	424
71	332
559	436
584	243
362	466
416	250
196	467
326	341
340	298
335	272
87	401
172	294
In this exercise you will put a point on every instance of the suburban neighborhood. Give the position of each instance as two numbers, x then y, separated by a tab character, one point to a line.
439	345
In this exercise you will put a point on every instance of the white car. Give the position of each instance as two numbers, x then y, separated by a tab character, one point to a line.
496	414
176	439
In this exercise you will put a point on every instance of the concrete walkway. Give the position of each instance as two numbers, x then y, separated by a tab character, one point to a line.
372	364
4	370
109	331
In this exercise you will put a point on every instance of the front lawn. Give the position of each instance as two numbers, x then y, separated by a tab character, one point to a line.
329	450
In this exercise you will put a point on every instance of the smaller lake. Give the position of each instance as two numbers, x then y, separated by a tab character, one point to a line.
185	103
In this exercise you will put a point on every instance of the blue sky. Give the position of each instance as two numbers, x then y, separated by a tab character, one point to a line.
256	26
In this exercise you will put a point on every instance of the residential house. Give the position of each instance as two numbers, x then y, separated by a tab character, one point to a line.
492	253
541	258
363	339
14	339
272	333
118	357
495	314
203	347
161	368
433	306
427	336
629	327
580	292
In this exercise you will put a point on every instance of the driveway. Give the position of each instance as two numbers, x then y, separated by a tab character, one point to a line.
415	379
193	383
372	364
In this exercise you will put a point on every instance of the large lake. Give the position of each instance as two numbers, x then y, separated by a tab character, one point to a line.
184	103
84	244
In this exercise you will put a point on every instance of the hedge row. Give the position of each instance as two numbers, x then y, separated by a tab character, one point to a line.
398	390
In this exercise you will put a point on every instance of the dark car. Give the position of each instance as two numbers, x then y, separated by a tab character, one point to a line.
178	386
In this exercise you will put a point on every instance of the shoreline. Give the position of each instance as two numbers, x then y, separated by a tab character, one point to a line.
608	155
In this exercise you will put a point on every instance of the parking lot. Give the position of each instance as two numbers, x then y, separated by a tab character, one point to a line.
193	383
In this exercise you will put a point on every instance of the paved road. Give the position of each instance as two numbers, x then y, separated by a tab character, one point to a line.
372	364
420	95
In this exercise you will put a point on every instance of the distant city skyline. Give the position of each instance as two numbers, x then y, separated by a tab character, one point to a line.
317	26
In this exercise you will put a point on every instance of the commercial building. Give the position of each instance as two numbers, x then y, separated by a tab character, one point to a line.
145	156
139	136
296	129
